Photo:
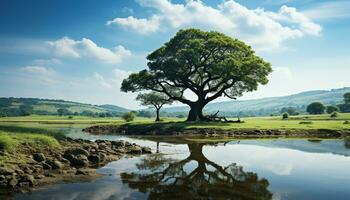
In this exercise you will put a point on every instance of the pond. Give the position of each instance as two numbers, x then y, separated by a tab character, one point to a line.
239	169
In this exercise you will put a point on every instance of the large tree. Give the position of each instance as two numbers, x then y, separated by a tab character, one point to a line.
209	64
155	99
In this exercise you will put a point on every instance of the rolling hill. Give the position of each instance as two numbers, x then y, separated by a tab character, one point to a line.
256	107
22	106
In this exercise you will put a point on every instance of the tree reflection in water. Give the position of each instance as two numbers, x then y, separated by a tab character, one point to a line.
165	178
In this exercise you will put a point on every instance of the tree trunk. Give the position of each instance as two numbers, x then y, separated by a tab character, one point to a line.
196	111
157	118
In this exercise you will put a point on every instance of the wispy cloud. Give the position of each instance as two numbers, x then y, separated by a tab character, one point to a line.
52	61
263	29
39	70
329	10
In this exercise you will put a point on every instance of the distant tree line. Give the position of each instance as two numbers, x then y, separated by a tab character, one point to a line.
318	108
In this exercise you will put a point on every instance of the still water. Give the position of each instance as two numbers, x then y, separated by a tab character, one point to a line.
246	169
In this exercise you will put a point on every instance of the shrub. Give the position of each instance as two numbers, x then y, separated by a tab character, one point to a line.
70	117
285	115
346	122
334	114
129	116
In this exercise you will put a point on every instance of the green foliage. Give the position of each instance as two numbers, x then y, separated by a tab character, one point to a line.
129	116
334	114
347	122
285	115
315	108
347	98
344	108
6	142
331	109
155	99
210	64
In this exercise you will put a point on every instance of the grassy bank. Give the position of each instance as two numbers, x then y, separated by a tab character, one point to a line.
294	122
15	141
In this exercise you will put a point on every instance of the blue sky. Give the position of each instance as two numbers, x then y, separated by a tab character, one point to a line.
81	50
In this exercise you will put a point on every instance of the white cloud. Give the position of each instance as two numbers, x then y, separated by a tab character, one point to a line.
329	10
38	70
66	47
141	26
262	29
53	61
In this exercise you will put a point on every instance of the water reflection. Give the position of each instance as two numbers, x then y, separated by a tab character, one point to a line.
164	178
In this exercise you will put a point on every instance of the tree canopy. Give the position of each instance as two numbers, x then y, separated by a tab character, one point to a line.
315	108
209	64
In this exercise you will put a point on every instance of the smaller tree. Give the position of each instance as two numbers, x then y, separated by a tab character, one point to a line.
285	115
331	109
155	99
315	108
347	98
129	116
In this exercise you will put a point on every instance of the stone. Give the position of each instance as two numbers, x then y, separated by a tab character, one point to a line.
46	166
55	164
79	160
76	151
146	150
84	171
95	159
65	161
6	171
39	176
39	157
135	150
29	179
13	182
102	146
120	143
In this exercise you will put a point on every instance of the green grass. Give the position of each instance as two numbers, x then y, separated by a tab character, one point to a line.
294	122
10	141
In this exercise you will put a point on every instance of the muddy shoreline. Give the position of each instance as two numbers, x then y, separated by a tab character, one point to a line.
239	133
76	160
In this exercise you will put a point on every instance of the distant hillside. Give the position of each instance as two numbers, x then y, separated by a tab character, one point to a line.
24	106
272	105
